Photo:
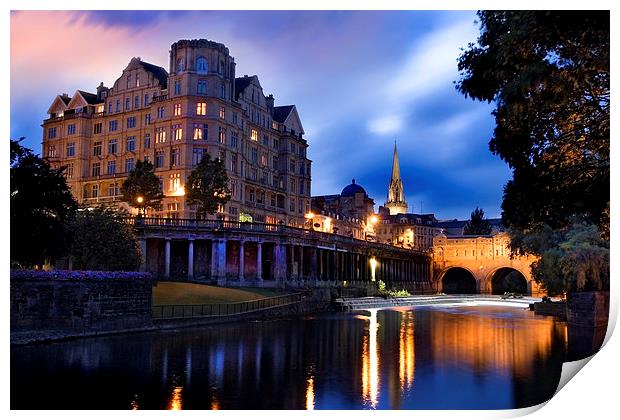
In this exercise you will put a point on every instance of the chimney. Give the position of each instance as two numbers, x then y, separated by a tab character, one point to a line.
269	99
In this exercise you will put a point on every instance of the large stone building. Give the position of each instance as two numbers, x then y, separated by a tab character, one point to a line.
172	118
395	202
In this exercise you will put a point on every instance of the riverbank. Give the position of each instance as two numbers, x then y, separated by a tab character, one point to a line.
352	304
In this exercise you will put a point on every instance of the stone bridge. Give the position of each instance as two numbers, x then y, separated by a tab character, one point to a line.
481	264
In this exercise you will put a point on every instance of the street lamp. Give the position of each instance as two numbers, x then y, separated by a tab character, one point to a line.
140	200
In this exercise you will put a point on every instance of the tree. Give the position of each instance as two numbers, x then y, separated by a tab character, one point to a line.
547	72
41	208
141	189
575	258
477	224
102	240
207	186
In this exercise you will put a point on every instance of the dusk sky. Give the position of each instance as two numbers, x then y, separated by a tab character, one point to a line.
359	81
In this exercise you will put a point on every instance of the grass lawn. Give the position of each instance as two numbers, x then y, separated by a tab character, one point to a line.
177	293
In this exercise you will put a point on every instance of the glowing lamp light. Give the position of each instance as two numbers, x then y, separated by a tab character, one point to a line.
373	219
140	199
309	215
373	268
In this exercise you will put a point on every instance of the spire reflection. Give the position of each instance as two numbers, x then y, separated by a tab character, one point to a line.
310	393
370	363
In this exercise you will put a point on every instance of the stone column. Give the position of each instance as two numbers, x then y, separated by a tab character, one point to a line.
167	259
241	262
218	261
319	274
280	263
337	275
190	260
314	263
259	262
143	251
301	263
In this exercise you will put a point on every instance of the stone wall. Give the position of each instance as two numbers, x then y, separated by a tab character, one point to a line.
87	305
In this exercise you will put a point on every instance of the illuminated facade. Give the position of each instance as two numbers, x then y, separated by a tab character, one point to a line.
396	203
172	118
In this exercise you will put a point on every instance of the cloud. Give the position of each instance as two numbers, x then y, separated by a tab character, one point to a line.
388	124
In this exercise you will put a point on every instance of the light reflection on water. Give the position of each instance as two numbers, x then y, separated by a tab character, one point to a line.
474	357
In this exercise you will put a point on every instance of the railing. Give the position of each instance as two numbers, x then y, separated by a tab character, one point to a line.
165	312
159	98
228	225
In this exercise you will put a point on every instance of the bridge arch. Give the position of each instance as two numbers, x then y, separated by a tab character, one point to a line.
507	279
458	280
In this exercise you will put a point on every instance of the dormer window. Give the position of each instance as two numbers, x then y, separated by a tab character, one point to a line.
201	65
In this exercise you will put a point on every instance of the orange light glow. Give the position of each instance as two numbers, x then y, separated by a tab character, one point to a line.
176	400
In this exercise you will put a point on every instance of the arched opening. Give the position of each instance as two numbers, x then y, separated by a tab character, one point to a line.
508	280
459	281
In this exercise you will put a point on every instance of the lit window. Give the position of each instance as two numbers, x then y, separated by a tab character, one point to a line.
51	151
178	132
177	109
254	135
160	135
174	184
222	112
201	108
69	171
222	135
175	157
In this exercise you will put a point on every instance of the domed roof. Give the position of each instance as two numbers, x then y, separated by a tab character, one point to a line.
352	189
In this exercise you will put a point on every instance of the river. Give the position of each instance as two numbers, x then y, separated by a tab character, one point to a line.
457	357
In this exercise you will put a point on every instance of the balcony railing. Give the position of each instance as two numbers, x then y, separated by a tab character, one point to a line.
228	225
159	98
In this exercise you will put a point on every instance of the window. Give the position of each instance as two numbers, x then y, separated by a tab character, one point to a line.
180	65
51	151
111	167
292	166
113	126
201	65
292	186
254	135
112	148
95	191
147	119
159	159
131	144
97	148
51	133
70	149
96	169
274	164
177	87
71	129
253	174
265	141
113	190
177	132
118	105
109	107
147	141
173	209
222	91
136	102
160	112
201	88
197	156
272	200
177	110
69	171
131	122
160	135
274	125
276	143
97	128
293	148
233	211
138	80
254	155
129	164
222	135
222	113
175	157
201	108
292	204
264	161
128	81
234	118
127	104
252	197
234	139
174	182
146	99
233	163
301	186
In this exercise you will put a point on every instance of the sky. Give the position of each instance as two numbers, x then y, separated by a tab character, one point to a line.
360	80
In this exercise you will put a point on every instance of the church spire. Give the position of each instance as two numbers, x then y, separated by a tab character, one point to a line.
396	194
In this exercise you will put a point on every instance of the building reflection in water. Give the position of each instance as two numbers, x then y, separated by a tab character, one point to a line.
176	399
310	393
406	350
370	363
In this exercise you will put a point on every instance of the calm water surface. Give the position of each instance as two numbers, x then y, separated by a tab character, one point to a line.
475	357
